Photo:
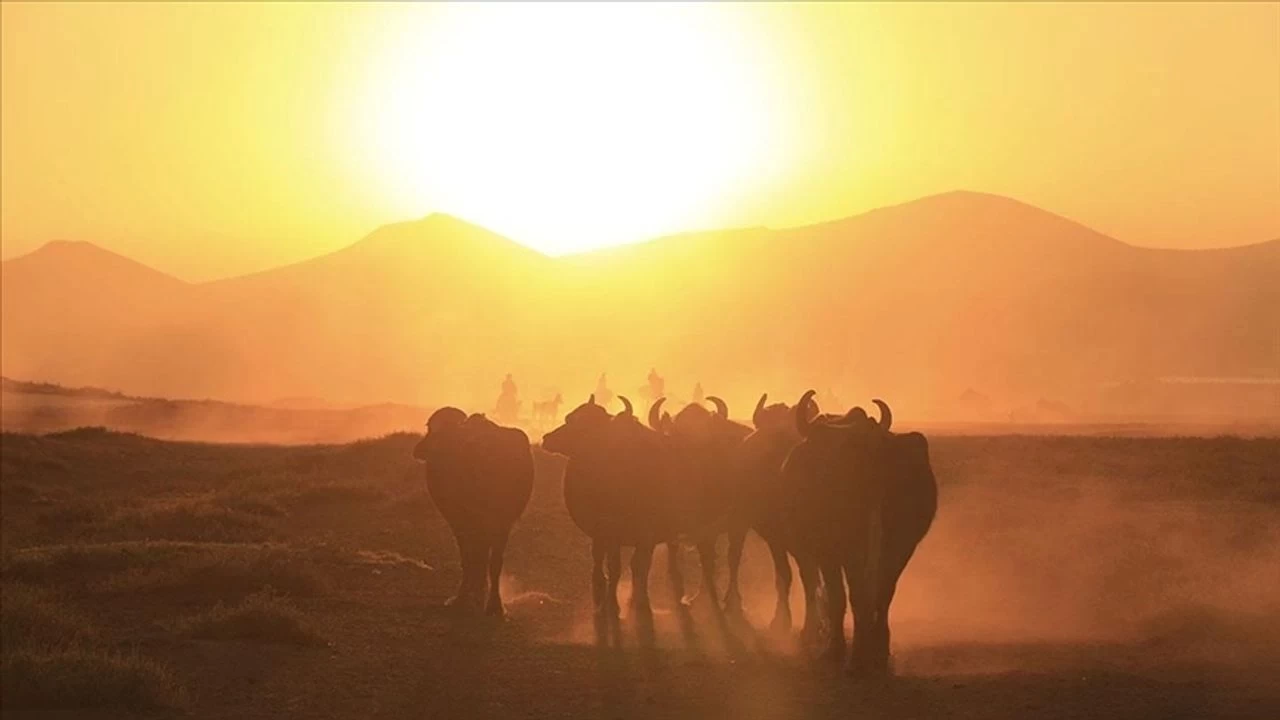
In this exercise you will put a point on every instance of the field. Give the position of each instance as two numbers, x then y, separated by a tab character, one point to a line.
1064	577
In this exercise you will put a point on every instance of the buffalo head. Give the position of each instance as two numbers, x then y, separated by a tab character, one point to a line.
581	429
812	425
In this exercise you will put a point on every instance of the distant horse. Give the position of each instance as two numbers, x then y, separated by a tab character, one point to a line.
547	410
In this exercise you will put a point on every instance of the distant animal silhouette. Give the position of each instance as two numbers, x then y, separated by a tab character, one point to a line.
654	388
617	490
480	476
604	396
859	499
547	410
507	408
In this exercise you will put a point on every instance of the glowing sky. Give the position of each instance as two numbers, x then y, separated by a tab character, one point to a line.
209	139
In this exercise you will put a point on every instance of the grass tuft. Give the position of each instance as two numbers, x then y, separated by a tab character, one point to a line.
47	660
195	519
263	617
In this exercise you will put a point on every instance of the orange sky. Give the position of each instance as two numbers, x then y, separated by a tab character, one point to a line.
217	138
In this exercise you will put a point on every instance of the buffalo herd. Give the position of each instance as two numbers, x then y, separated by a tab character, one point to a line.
843	495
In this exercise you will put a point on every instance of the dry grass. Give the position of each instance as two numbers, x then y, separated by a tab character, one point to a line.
263	617
79	677
1041	546
35	617
195	519
50	660
197	570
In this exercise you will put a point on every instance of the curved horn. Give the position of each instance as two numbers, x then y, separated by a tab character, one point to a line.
802	408
655	414
722	408
627	404
755	416
886	415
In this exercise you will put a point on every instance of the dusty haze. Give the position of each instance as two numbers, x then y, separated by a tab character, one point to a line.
962	306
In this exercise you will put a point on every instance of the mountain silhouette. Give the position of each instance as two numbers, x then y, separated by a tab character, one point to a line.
916	302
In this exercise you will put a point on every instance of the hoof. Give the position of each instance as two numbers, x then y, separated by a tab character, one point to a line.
494	608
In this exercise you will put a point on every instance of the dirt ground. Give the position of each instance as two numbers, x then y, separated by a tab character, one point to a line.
1064	577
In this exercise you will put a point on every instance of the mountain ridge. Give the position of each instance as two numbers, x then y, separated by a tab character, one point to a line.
918	301
456	224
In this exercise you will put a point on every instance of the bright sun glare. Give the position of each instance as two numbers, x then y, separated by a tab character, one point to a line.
569	127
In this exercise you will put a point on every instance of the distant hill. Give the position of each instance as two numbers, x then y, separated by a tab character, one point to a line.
918	303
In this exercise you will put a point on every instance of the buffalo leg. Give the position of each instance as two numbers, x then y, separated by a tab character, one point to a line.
615	571
870	622
641	561
877	652
675	572
864	626
493	605
471	551
598	552
833	584
460	595
733	596
782	584
812	610
707	559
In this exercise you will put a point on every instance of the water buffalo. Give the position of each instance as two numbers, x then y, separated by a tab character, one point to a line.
480	476
617	491
764	491
703	451
861	499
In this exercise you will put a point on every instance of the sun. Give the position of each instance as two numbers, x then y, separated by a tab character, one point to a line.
569	127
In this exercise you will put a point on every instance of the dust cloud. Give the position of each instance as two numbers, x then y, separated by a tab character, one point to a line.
1137	553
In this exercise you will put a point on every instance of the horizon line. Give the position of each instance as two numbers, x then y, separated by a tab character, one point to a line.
631	243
